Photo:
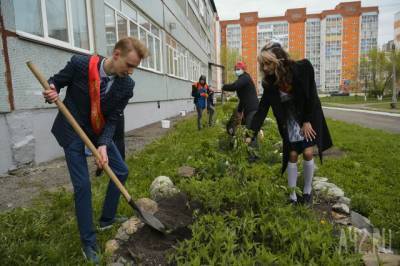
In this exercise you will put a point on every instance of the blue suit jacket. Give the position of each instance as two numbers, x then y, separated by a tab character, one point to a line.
77	100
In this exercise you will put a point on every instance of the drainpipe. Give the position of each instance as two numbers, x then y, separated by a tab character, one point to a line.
4	34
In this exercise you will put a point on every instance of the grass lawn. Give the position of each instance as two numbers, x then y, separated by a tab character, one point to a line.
351	100
245	219
385	105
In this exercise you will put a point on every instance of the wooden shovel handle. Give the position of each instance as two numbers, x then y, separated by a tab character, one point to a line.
64	110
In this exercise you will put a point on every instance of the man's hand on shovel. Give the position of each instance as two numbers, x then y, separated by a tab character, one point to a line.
104	157
51	95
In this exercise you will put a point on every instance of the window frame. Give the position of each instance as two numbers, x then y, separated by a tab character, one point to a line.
180	58
58	43
128	21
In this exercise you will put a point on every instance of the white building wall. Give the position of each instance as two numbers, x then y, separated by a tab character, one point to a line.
25	133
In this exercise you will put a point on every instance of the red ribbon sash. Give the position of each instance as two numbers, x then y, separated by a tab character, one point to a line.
96	117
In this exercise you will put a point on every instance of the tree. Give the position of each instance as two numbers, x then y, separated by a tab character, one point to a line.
377	71
229	57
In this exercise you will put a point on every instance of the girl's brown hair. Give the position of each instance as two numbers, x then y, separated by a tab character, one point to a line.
273	54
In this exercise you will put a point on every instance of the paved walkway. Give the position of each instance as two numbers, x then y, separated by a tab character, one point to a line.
378	120
371	106
365	111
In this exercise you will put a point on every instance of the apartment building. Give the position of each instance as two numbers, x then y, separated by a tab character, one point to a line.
333	40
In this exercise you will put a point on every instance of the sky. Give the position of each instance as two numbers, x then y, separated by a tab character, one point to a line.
231	9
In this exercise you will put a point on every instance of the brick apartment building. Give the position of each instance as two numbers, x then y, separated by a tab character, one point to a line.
333	40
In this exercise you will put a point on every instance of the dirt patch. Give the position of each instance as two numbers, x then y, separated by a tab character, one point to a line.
332	153
21	186
149	247
323	209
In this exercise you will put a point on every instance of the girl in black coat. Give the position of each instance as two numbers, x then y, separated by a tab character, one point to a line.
289	88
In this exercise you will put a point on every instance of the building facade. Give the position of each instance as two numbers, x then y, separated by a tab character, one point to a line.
180	34
333	40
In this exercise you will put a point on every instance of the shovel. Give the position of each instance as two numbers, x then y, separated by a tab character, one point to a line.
146	217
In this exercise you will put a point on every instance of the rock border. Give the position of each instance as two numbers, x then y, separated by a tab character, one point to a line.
370	240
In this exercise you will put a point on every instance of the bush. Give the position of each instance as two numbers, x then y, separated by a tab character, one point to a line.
233	100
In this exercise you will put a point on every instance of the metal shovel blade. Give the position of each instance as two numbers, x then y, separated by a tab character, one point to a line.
148	218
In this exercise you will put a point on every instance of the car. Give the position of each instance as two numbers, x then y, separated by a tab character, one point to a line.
339	93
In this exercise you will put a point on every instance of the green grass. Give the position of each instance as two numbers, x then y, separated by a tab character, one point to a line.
385	106
245	218
350	100
368	173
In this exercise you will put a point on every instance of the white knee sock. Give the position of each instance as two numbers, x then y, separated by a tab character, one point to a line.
308	170
292	179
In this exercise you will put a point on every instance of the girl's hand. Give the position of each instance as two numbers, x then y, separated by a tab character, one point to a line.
308	131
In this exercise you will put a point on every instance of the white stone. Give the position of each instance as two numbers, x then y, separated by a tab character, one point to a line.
320	179
331	190
344	221
360	221
132	225
335	192
344	200
111	246
147	205
162	187
385	250
341	207
122	235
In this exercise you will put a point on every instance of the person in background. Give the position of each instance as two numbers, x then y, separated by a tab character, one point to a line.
203	99
246	92
290	90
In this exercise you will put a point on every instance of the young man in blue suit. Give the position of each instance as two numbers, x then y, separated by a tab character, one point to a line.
98	90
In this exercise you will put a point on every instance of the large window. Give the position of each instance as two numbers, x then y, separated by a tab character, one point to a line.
194	67
333	52
60	22
267	31
121	20
313	46
234	37
180	62
176	58
368	41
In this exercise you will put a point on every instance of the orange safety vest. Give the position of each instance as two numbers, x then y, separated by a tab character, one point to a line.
96	117
198	85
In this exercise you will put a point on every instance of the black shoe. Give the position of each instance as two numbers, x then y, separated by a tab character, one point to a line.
107	225
293	202
253	158
90	254
307	199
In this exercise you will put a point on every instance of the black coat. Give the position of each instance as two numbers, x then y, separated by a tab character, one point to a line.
246	92
307	107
